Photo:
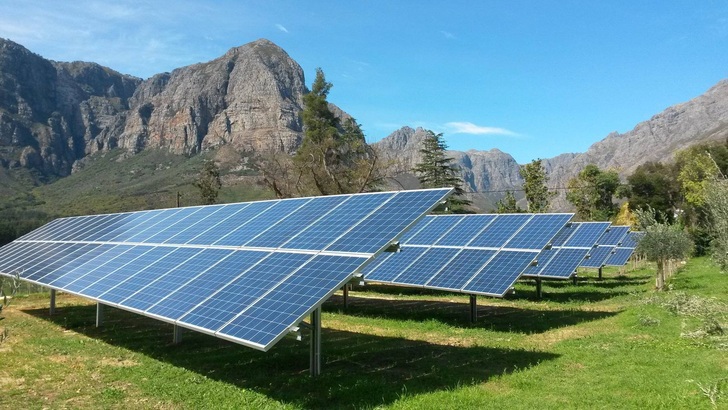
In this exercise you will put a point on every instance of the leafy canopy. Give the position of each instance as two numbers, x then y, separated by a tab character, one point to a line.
437	170
591	193
537	193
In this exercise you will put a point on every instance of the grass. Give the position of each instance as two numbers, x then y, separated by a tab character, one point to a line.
602	344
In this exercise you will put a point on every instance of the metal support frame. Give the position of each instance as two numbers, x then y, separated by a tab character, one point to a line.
99	314
600	272
575	277
177	335
52	310
539	288
316	342
473	308
346	295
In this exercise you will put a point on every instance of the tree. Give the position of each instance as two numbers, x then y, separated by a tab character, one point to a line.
332	159
507	204
654	185
208	182
662	242
716	201
591	193
534	186
437	170
625	216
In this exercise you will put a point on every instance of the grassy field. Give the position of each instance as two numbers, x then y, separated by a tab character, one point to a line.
601	344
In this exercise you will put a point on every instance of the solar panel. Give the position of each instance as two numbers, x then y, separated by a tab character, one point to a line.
606	245
246	272
624	251
475	254
570	248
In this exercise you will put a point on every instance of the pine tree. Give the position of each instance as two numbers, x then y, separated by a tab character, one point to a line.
534	185
437	170
507	204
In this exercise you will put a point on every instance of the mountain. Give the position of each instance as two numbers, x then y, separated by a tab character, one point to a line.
53	114
702	119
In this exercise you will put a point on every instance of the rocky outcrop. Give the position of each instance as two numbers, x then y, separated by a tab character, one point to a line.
52	114
50	111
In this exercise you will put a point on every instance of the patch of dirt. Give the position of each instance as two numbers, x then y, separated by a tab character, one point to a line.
11	382
116	362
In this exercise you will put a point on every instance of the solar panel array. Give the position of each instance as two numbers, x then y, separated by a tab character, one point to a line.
245	272
624	251
474	254
569	248
605	246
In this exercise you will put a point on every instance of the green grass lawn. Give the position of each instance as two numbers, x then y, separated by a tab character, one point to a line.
601	344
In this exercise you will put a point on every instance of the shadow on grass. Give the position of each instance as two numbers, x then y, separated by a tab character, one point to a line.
491	317
359	370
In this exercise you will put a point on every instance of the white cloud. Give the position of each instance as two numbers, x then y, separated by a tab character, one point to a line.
281	28
447	34
470	128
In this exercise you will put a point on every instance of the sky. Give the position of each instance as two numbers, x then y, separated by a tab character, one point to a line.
531	78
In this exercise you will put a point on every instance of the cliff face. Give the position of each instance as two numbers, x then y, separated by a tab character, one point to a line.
52	114
50	111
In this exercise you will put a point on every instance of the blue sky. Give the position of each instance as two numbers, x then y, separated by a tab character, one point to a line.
531	78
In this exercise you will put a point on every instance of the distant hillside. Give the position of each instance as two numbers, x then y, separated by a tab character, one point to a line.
704	118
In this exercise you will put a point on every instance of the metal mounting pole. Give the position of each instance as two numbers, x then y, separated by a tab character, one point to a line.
600	273
576	279
52	309
316	342
99	314
473	308
539	290
177	335
346	296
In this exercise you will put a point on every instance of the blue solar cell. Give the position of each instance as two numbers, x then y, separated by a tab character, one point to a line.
587	234
465	231
434	230
160	222
630	240
394	265
141	272
538	231
79	267
225	226
456	273
208	225
565	233
176	224
418	226
597	256
499	275
136	260
145	221
296	221
43	230
387	221
261	222
225	304
564	263
186	296
29	257
75	224
112	260
10	251
613	236
71	252
288	302
339	220
95	224
500	230
429	264
543	258
157	288
112	223
619	257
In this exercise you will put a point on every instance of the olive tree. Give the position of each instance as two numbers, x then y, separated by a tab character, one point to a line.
662	242
716	201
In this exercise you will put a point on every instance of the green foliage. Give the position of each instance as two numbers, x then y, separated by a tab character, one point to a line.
534	186
716	200
654	185
662	241
591	193
437	170
333	158
697	170
209	183
507	204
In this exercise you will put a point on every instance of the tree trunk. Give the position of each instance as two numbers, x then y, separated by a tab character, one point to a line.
660	277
